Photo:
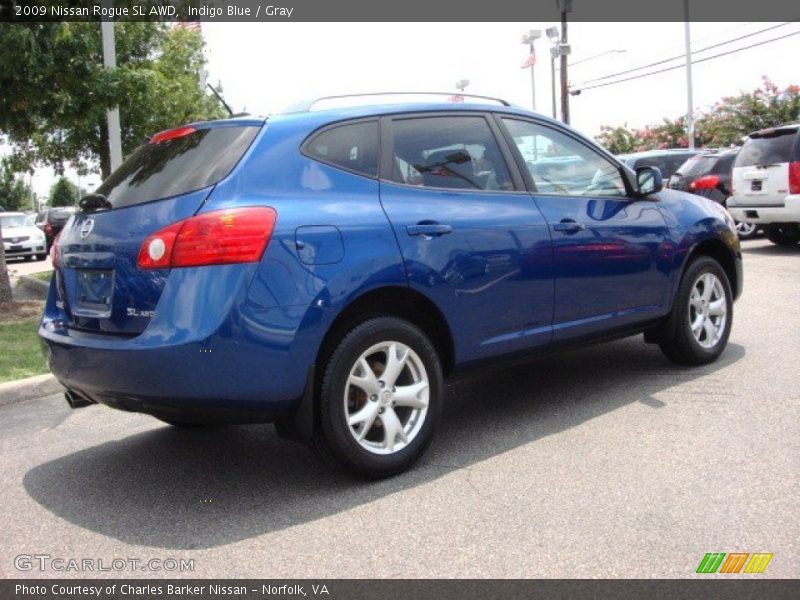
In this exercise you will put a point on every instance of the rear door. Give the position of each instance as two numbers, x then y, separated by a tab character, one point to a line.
100	286
472	239
761	170
610	248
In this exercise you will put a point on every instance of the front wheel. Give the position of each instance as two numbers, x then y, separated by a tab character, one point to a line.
784	234
702	313
381	398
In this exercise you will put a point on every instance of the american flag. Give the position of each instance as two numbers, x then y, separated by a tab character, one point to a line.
530	61
190	25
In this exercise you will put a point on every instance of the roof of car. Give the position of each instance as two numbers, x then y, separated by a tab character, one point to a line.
665	152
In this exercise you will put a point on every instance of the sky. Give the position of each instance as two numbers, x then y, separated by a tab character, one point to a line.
264	67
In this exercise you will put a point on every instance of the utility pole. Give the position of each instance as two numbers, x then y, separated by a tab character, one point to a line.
689	101
110	62
565	6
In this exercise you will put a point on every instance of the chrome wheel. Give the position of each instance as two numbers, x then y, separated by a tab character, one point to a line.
745	229
708	310
386	397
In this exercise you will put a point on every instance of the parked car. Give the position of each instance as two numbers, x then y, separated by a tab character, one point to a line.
667	161
327	269
21	238
52	221
766	183
709	175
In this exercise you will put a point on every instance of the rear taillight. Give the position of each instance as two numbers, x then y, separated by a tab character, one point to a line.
222	237
707	182
48	229
54	251
794	177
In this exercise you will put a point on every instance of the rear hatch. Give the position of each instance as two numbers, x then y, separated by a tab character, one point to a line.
693	168
99	284
761	171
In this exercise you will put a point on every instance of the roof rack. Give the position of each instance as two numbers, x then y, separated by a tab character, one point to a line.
307	105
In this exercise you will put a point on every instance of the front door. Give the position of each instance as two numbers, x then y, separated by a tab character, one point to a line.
472	239
611	248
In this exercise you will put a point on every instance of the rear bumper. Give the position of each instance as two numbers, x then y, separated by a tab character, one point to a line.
745	210
235	362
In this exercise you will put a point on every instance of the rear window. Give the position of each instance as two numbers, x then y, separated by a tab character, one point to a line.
767	149
177	166
697	166
353	147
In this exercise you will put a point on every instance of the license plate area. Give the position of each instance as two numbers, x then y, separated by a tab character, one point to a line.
94	289
755	185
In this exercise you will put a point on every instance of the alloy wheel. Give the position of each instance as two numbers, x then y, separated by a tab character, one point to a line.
708	310
386	397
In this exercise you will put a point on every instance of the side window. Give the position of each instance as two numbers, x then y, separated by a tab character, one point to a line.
353	147
562	166
448	152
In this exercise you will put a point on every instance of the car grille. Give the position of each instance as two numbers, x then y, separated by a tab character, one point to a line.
16	240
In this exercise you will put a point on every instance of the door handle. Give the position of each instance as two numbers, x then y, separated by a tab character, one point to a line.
429	229
569	226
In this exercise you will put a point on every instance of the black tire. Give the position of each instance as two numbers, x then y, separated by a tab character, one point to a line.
679	344
784	234
333	439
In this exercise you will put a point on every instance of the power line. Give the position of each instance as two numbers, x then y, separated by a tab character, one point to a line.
694	62
666	60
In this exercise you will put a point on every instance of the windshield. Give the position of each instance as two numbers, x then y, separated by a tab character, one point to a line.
9	221
178	165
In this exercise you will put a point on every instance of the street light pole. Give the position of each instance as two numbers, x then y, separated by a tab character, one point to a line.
689	101
110	62
552	35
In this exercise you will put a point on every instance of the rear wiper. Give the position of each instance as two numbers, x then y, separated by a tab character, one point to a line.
765	165
94	202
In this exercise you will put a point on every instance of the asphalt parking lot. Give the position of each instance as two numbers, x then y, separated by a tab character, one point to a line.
607	462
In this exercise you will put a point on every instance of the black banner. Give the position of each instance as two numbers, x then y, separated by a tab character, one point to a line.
406	11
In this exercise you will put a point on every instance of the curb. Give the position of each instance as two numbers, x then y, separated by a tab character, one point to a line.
28	389
36	286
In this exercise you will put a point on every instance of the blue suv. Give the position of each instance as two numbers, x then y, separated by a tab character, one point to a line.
326	270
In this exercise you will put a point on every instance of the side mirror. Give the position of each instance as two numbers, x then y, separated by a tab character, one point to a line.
649	180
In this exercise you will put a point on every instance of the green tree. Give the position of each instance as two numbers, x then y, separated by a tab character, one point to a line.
63	193
56	91
15	194
725	124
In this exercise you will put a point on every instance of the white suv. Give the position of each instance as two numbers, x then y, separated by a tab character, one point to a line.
766	183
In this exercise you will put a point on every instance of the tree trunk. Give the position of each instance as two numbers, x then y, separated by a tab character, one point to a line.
5	282
104	152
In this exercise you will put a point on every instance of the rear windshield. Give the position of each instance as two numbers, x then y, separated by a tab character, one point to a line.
767	150
177	166
697	166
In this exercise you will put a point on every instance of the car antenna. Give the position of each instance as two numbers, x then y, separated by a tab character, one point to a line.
225	104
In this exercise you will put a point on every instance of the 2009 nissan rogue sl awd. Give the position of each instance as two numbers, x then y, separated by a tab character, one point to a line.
327	269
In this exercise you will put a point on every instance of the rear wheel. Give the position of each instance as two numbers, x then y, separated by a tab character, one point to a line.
380	399
702	314
745	231
784	234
